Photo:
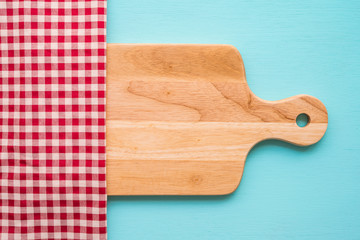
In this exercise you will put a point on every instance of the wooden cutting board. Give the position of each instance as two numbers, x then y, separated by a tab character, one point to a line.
181	119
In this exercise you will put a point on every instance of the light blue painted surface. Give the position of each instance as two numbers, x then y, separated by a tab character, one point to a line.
287	192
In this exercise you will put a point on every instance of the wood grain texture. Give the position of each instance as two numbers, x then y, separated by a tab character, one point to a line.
181	119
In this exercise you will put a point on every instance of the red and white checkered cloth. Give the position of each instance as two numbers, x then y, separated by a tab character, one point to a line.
52	119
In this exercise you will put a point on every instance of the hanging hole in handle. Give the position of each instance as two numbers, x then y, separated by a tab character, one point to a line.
302	120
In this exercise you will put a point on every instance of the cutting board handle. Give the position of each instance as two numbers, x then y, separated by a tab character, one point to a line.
286	111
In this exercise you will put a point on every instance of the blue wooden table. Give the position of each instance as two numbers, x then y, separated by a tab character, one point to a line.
288	48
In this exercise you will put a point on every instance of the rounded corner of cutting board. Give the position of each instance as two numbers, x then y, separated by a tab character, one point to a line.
231	189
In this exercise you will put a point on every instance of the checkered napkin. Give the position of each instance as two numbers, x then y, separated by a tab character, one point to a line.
52	119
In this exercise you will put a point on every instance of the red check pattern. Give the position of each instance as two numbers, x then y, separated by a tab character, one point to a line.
52	119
